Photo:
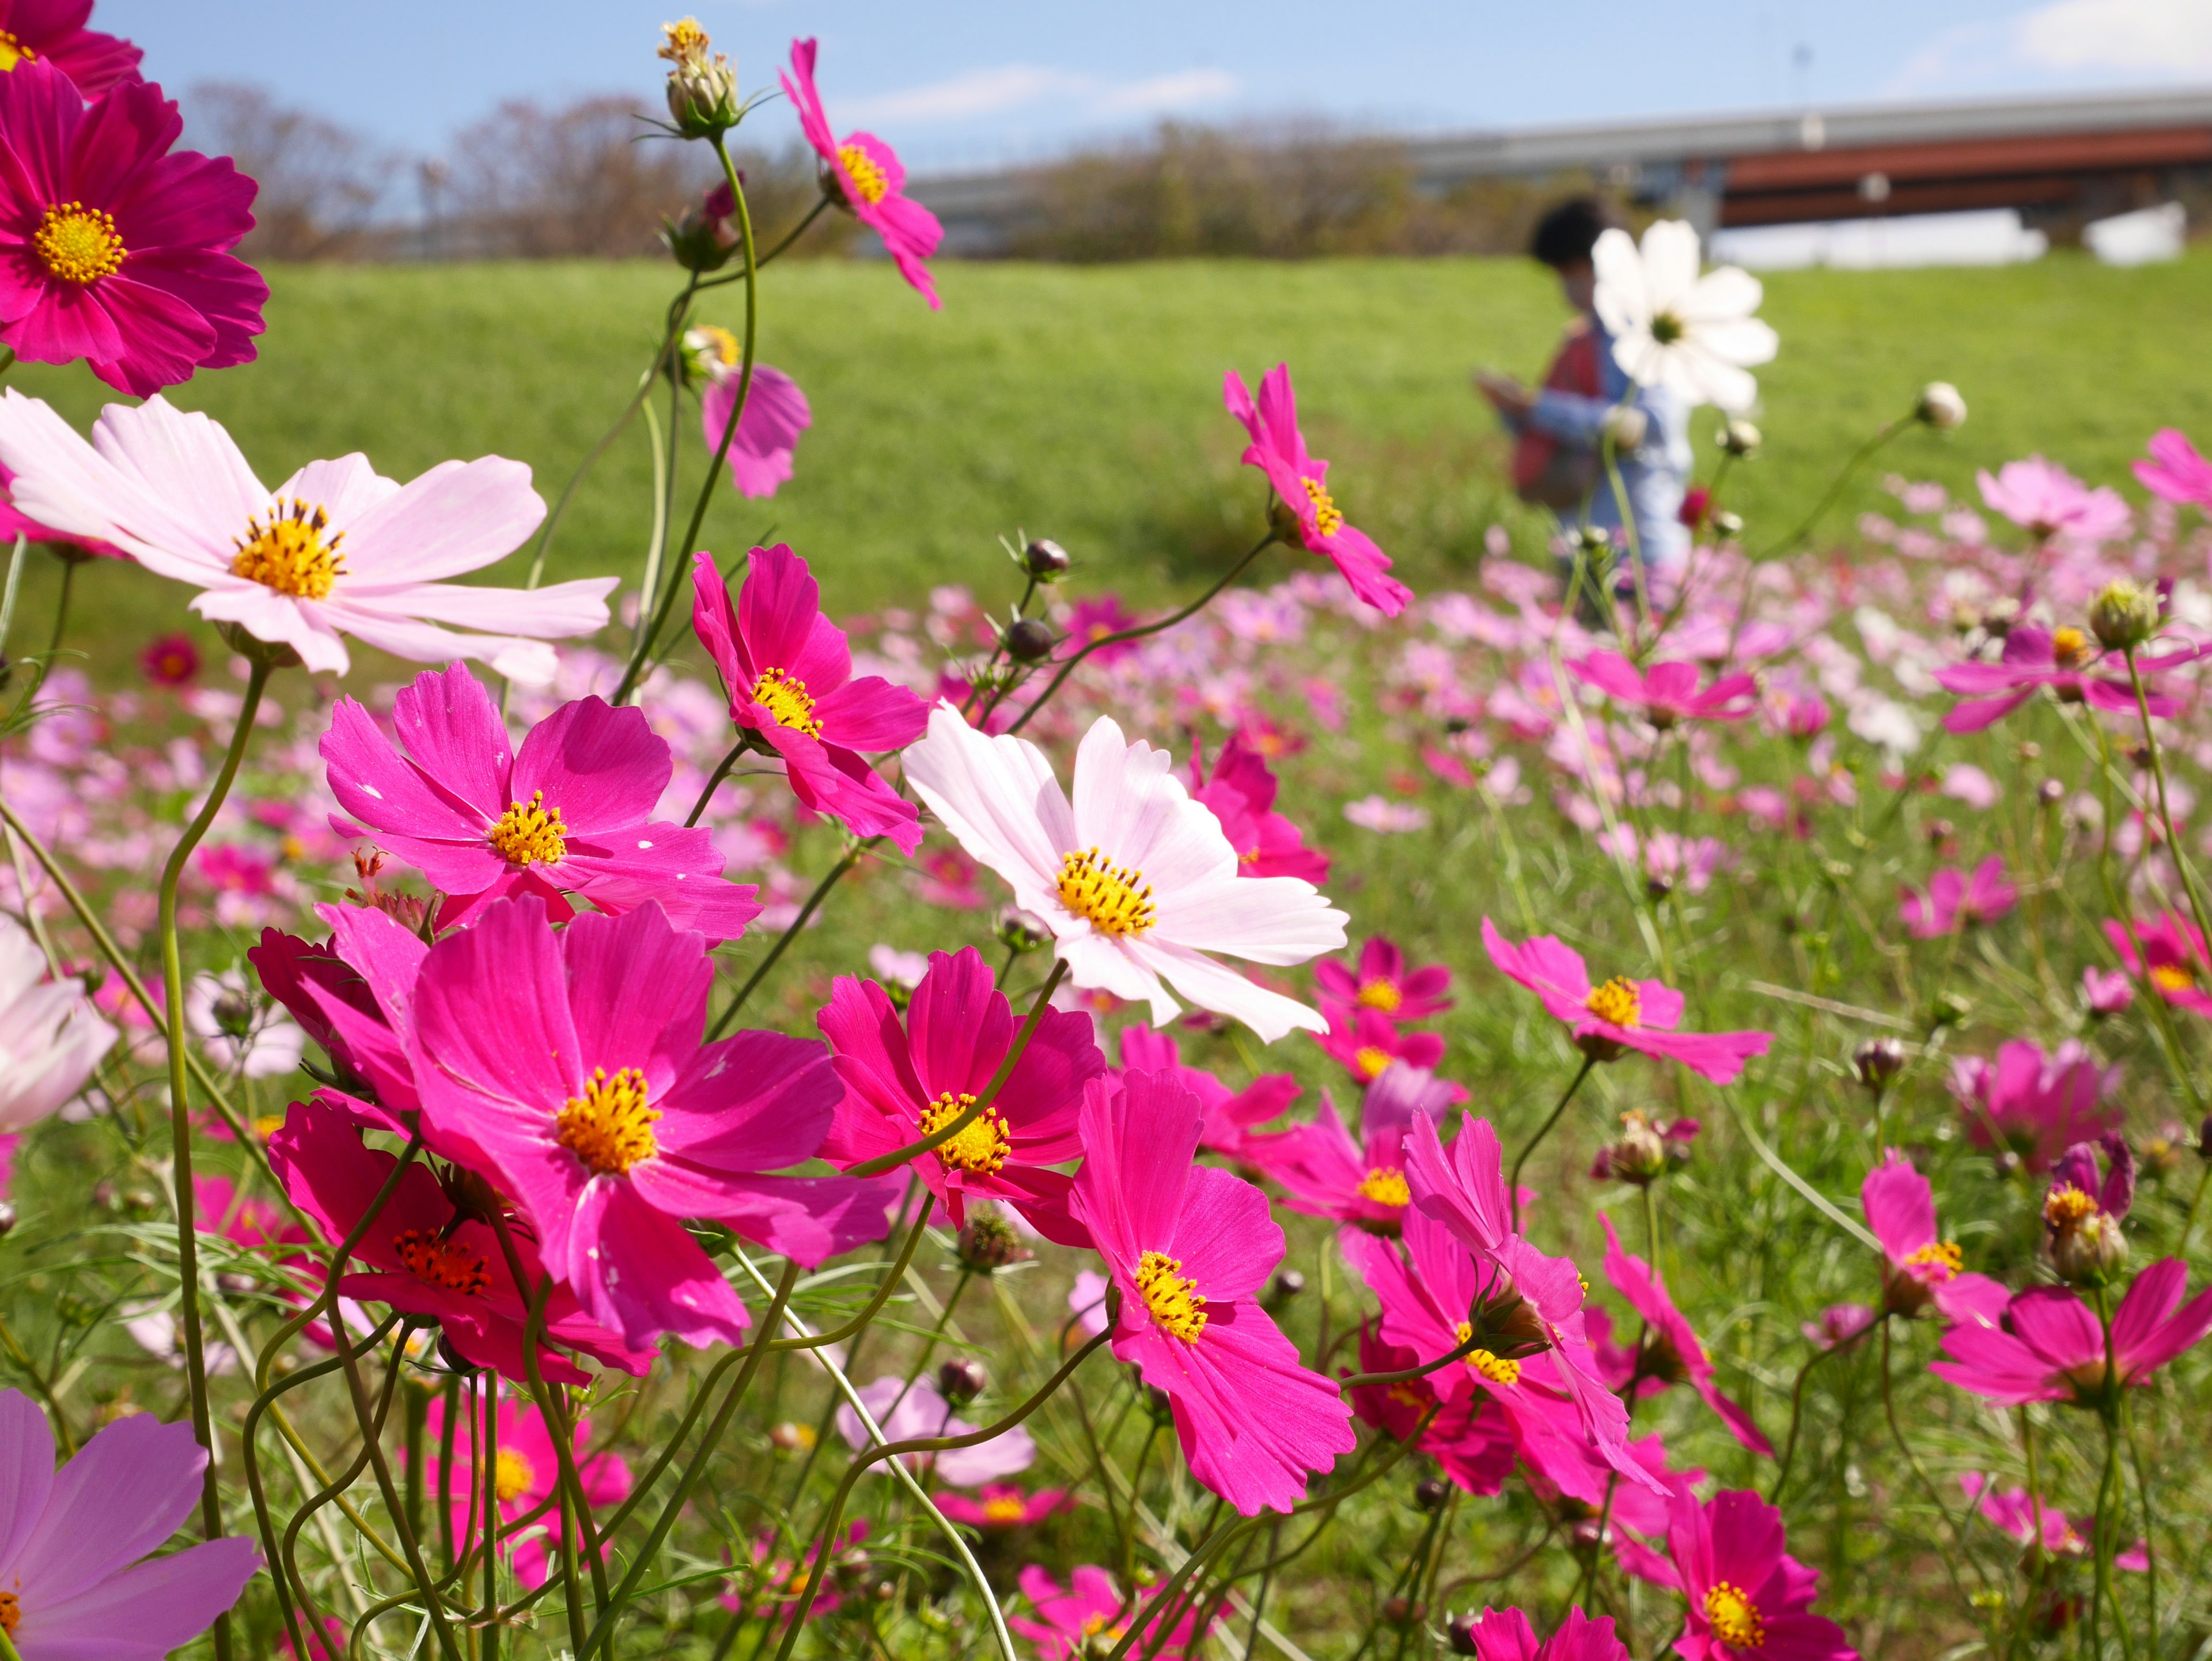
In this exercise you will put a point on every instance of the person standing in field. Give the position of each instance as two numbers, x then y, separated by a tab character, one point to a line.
1558	428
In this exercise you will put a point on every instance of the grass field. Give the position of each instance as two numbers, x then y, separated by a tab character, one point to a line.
1084	402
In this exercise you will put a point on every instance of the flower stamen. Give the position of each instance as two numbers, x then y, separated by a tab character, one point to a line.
447	1263
980	1148
2069	647
289	553
1940	1261
12	52
1617	1002
1328	518
1734	1617
1171	1295
1385	1184
609	1127
1370	1061
785	697
78	244
511	1476
1498	1369
1379	994
870	181
533	834
1107	895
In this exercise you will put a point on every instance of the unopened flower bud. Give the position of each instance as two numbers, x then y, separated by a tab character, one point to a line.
452	1359
1459	1636
1431	1493
1626	426
1739	438
1725	526
1402	1611
1877	1061
988	1242
1595	544
1159	1404
1949	1009
7	1216
2125	616
1941	406
960	1381
1658	884
1045	559
2051	792
1287	1285
702	85
1020	931
234	1014
703	238
1637	1155
1028	639
2204	1139
2088	1251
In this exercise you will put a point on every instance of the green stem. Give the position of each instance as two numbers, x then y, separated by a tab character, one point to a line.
61	607
1513	1177
2181	861
834	875
715	780
1797	1409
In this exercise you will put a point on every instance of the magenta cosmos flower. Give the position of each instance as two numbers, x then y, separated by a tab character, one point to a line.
1671	1350
2061	660
1229	1116
422	1257
904	1081
1324	1173
1366	1041
2169	952
1136	881
1091	1611
1956	898
120	249
999	1505
1190	1247
1468	1436
1920	1268
70	1581
2017	1513
1506	1635
2035	1104
2175	470
1667	693
2045	500
334	551
789	675
568	1067
570	813
53	31
2051	1347
1749	1600
1279	450
1383	982
863	175
1620	1015
526	1470
776	411
1241	794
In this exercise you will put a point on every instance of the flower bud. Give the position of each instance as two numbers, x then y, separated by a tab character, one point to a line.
1287	1285
702	85
1431	1493
1949	1009
2051	792
1402	1611
1739	438
1045	559
1159	1404
1595	544
7	1216
703	238
1637	1155
1020	931
2204	1139
234	1014
960	1381
452	1359
1626	426
1726	526
2125	616
1877	1061
2089	1250
1029	640
1941	406
1459	1636
987	1243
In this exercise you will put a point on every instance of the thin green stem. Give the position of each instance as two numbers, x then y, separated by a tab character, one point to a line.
1513	1177
715	780
830	879
62	606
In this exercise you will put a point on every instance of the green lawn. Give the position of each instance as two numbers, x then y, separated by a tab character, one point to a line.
1084	402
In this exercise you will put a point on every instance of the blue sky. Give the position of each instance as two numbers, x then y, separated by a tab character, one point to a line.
960	83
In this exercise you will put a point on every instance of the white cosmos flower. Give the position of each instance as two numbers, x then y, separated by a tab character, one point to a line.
50	1036
335	549
1672	327
1135	880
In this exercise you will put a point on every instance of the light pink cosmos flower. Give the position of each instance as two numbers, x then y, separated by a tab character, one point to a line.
864	175
789	675
2168	952
569	813
1279	450
1365	1042
2016	1512
2034	1103
1506	1635
1620	1015
2052	1347
1671	1349
2061	660
776	413
1919	1268
526	1470
1954	899
1383	982
1229	1116
904	1081
2175	470
1092	1609
1324	1173
71	1540
907	1412
1189	1247
51	1036
1136	881
999	1505
335	549
1667	693
1749	1600
1241	794
569	1068
2044	499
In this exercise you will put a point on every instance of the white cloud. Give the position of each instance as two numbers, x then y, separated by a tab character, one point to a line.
1167	92
2169	35
1024	86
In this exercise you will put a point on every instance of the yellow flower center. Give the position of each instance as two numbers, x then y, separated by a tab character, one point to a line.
1382	994
2069	1207
11	1612
12	52
684	42
1368	1061
511	1476
609	1127
1105	893
870	182
1328	519
1734	1617
1496	1368
2174	977
980	1148
1094	1625
2069	647
533	834
447	1263
289	553
719	344
1615	1001
785	697
1170	1295
1944	1256
1385	1184
79	243
1003	1509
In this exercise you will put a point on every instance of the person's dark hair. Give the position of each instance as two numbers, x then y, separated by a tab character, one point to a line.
1567	233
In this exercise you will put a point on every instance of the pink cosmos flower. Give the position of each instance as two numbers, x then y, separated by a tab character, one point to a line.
1090	1609
15	523
1838	1324
2106	991
334	551
2175	470
776	413
53	31
789	676
1749	1600
169	660
1365	1042
2045	500
1671	1349
423	1258
1620	1015
1667	693
2033	1103
901	1082
2051	1347
2016	1512
570	1068
1325	1173
1136	881
862	175
1190	1247
1919	1268
1279	450
1506	1635
905	1412
570	813
1228	1116
1242	795
328	1644
999	1505
1383	982
1468	1436
1094	617
1955	899
2169	952
122	248
2061	660
527	1468
71	1540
